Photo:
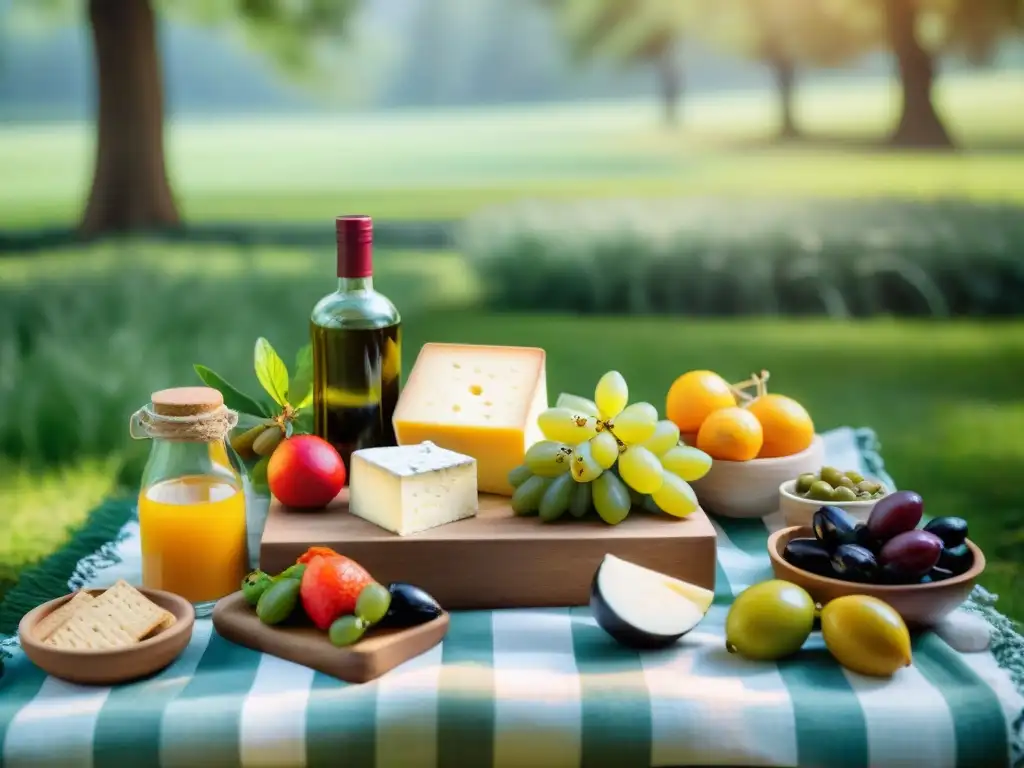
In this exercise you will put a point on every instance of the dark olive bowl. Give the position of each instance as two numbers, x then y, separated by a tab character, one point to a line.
920	605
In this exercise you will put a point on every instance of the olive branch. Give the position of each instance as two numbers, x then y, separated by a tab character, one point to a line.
283	409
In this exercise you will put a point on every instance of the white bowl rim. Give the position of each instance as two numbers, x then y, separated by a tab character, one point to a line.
789	494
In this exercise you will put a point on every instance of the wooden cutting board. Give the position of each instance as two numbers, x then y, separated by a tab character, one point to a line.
496	559
379	651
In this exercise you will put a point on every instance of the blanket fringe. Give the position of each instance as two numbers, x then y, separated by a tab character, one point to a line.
1007	646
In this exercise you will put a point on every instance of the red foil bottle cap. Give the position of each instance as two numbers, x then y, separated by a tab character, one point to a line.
355	246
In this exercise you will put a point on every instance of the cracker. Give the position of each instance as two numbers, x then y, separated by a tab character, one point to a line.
130	610
90	630
54	621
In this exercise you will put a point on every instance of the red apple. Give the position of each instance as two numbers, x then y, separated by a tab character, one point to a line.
305	471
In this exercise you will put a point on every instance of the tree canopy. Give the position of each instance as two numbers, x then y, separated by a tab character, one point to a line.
633	32
130	189
789	35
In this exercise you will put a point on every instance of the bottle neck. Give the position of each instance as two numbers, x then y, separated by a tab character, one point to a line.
355	284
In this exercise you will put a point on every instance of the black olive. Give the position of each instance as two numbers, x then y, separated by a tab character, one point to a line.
956	560
952	530
832	526
409	606
853	562
808	555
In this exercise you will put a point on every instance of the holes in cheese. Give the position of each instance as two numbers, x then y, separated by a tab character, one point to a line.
481	401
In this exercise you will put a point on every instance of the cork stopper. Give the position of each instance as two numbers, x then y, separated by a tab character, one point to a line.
186	401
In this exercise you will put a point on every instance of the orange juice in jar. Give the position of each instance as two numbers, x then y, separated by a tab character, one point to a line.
192	502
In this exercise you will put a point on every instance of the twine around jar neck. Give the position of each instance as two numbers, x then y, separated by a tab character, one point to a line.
206	427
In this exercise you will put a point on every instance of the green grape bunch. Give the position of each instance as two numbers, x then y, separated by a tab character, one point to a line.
609	455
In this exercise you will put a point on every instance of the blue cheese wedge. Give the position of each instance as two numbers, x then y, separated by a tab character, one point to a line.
411	488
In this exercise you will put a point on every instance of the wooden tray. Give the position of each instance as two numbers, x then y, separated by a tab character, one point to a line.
496	560
380	651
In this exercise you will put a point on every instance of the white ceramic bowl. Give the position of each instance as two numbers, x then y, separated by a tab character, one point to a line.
751	488
799	511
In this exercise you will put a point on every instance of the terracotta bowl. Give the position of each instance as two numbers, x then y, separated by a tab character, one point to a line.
920	605
118	665
751	488
799	511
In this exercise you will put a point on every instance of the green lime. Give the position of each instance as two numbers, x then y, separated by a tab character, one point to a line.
769	621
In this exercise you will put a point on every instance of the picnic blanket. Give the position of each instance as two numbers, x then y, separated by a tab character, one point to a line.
531	688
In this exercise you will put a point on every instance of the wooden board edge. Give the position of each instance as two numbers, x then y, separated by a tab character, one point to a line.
426	636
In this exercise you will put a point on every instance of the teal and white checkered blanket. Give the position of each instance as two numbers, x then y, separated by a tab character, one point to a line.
517	688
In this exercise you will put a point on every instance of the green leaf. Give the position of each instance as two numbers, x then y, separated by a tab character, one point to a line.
300	392
271	371
233	398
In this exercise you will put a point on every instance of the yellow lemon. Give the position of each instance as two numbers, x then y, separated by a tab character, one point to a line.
866	635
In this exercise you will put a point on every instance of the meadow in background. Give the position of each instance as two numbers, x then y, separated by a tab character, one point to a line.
581	222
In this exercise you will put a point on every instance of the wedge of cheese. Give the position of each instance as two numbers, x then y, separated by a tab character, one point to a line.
480	401
410	488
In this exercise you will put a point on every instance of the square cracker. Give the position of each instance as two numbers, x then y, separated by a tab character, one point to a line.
51	623
90	630
130	610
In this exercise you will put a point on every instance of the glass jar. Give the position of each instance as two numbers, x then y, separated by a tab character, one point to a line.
192	502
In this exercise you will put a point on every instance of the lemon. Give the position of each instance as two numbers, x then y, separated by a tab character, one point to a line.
866	635
769	620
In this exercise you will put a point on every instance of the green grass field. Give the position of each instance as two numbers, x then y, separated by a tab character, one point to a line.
87	333
444	164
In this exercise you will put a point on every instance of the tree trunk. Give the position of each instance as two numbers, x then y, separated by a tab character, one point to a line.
670	85
785	81
920	125
129	190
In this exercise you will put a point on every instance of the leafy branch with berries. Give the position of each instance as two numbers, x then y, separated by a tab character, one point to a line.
283	409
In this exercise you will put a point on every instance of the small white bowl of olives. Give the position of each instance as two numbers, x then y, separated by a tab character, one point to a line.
849	490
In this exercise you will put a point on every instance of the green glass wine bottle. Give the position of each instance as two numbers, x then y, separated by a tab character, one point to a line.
356	334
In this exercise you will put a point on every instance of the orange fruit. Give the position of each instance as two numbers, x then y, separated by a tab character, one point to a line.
787	426
730	434
693	396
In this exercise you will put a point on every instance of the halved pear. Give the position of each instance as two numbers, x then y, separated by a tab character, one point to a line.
642	608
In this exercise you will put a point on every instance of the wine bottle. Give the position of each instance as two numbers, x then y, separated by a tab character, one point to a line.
357	350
